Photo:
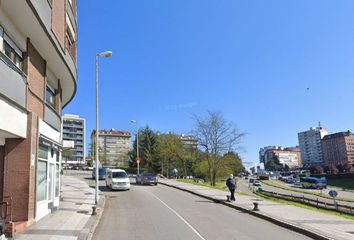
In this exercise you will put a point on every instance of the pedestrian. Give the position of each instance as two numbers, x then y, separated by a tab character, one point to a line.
231	184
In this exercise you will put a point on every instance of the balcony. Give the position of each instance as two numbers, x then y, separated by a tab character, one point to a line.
13	86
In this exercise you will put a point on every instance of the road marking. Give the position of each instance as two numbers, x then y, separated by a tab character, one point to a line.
179	216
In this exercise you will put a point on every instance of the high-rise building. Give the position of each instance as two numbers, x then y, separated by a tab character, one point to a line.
338	148
38	74
113	146
310	145
74	129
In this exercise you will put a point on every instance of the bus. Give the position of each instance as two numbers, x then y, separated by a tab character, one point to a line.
313	182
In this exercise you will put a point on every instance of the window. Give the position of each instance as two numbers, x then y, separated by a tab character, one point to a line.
9	48
42	181
50	96
57	177
43	152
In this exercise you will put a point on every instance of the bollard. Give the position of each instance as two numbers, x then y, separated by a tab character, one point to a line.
94	210
255	208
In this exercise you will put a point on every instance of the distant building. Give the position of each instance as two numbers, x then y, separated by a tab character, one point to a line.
310	145
338	148
74	129
263	158
113	146
290	156
189	142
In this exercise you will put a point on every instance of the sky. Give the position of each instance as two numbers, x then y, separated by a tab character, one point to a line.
273	68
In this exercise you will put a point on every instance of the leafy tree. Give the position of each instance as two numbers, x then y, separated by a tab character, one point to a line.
216	137
331	169
231	164
67	154
316	169
274	165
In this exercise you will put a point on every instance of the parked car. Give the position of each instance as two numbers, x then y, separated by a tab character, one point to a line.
117	179
101	173
146	178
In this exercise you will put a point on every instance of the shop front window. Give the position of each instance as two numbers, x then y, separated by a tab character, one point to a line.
42	181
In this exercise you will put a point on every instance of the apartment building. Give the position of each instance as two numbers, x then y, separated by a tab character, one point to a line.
338	148
290	156
310	145
74	129
113	146
189	142
38	74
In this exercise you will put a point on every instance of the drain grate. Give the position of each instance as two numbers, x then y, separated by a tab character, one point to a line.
88	193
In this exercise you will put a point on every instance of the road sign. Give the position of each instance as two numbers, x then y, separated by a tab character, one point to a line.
333	193
137	160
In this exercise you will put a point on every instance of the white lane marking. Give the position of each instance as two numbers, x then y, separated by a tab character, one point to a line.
179	216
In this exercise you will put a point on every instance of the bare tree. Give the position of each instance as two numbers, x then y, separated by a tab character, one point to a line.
216	137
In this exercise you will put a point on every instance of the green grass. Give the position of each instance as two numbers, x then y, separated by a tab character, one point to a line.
342	183
218	185
282	186
297	204
221	186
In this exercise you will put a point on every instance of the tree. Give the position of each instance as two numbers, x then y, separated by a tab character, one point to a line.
216	137
173	154
316	169
274	164
231	163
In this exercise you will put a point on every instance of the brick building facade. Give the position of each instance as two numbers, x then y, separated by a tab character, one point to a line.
38	76
338	148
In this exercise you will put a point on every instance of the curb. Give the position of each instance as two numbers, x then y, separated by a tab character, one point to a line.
276	221
91	225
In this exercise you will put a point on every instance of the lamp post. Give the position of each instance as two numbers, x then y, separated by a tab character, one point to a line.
137	146
103	54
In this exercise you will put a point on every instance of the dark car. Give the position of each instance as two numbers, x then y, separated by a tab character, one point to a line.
101	173
146	178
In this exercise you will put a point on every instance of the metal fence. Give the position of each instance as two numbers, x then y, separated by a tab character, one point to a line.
334	206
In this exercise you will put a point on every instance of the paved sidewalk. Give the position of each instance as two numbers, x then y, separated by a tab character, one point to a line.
320	225
73	219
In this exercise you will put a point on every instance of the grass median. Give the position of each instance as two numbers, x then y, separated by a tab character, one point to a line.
305	206
220	185
284	187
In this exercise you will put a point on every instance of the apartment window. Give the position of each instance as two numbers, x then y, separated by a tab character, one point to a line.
50	96
9	48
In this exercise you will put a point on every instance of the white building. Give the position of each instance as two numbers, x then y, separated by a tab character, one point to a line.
74	129
310	145
114	147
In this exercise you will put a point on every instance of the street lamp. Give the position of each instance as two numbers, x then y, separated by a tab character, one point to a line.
137	146
102	54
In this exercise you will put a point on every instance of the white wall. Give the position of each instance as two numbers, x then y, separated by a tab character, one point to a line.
12	120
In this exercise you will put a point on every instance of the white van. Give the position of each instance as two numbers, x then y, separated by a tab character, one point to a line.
117	179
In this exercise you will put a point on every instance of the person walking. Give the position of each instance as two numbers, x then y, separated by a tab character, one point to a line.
231	184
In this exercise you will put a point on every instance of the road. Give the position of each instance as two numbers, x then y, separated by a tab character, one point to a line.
160	213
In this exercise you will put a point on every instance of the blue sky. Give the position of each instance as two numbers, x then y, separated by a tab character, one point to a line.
273	67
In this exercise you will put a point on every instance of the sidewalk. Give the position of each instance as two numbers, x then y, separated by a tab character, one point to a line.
311	223
73	219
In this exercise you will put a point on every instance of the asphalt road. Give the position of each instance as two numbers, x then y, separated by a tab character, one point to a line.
161	213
